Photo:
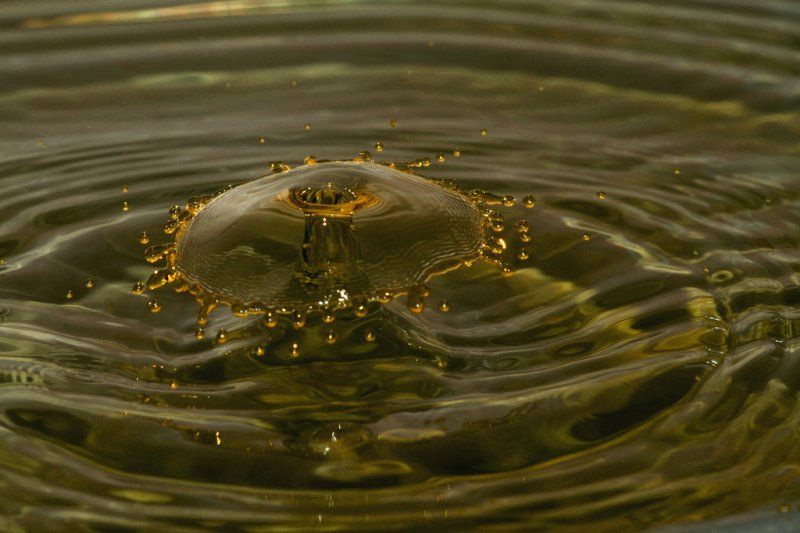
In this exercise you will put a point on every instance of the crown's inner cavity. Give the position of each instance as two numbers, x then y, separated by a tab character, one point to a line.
331	200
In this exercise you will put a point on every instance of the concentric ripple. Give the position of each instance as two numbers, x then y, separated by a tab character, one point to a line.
638	369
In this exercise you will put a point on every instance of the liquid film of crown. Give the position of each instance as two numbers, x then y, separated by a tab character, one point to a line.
329	238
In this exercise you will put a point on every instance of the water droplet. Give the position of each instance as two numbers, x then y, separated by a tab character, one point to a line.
295	350
379	146
307	127
360	309
154	305
144	238
330	337
89	283
507	270
173	385
509	200
523	255
175	212
586	237
676	171
484	132
601	195
363	155
200	333
440	158
529	201
69	295
310	160
456	153
393	123
525	237
523	226
218	438
369	336
298	320
262	140
444	307
270	320
124	188
126	206
259	350
138	288
222	336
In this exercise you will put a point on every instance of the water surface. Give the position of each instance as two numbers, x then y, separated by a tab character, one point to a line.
641	371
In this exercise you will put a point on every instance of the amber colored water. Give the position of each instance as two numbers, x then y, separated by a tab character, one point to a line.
642	370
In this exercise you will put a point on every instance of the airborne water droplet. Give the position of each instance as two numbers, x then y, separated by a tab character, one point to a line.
330	337
259	350
529	201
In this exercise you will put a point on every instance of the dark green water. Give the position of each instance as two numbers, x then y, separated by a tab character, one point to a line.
646	376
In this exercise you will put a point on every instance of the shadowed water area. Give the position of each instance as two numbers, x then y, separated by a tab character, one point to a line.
641	368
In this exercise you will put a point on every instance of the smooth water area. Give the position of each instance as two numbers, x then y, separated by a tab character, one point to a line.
642	369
